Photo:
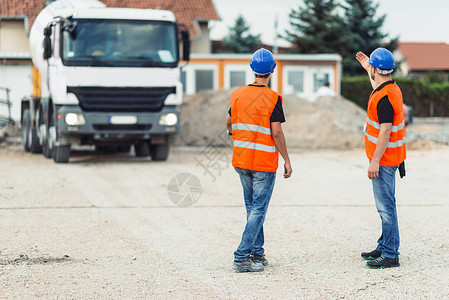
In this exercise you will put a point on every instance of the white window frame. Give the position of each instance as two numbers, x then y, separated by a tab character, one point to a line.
190	76
249	76
306	83
325	69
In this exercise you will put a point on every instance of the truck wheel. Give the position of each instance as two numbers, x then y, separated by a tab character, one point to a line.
142	149
46	148
61	154
35	146
50	137
159	152
26	130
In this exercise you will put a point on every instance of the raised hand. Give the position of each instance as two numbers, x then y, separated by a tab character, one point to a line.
363	60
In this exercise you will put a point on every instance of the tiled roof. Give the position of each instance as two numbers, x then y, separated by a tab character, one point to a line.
425	56
17	8
187	12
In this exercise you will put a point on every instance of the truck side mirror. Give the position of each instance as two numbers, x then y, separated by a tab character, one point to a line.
47	43
185	45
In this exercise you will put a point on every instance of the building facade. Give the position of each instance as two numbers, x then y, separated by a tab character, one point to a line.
300	74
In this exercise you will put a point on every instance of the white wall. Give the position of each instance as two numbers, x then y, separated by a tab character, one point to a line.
201	44
18	79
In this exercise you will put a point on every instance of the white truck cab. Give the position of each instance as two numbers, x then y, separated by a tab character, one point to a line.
103	76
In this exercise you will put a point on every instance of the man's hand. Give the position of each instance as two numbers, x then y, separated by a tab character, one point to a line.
363	60
287	169
373	170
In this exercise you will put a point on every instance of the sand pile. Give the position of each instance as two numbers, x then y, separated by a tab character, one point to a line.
328	123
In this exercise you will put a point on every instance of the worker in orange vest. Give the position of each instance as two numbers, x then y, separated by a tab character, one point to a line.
385	148
254	121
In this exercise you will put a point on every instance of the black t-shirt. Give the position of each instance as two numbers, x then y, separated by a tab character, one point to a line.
385	111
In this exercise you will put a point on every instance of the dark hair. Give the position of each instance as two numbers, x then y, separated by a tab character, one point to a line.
262	75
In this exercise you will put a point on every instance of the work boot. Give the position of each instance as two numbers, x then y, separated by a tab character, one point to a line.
260	259
375	254
247	265
383	263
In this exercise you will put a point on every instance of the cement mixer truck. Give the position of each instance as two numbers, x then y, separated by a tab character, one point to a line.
103	76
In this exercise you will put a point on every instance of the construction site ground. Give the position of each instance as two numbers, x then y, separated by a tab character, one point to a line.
104	227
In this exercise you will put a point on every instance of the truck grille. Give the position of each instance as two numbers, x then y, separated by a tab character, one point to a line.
121	99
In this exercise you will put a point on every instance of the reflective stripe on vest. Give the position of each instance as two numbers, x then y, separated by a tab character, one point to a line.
374	140
251	127
377	125
255	146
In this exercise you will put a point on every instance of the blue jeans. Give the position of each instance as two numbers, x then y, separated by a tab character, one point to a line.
257	190
384	189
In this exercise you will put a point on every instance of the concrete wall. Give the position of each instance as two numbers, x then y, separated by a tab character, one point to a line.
13	36
201	44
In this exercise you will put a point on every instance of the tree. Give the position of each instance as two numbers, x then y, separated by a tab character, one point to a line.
365	30
239	40
316	28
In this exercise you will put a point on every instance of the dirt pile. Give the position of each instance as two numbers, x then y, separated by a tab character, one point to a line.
328	123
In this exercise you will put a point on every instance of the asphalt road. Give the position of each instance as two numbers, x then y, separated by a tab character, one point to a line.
105	227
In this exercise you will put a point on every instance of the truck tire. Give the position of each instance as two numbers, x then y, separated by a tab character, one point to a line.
159	152
142	149
61	154
35	146
46	149
50	130
26	130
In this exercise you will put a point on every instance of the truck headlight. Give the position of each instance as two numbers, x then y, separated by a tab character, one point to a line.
168	119
74	119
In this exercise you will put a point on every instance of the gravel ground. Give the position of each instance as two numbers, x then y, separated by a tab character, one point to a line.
104	227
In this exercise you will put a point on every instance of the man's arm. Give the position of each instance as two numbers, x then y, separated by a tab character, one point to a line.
382	143
229	123
279	140
363	60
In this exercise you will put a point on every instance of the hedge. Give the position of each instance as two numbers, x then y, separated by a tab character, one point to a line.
426	99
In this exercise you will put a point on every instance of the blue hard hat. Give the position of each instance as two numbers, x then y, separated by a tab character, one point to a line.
381	58
262	62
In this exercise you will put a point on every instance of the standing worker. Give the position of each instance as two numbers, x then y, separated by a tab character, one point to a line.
385	148
254	121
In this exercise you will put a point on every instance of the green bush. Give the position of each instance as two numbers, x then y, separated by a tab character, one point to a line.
426	99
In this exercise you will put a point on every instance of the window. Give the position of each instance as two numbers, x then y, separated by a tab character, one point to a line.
296	81
204	80
121	43
238	78
319	79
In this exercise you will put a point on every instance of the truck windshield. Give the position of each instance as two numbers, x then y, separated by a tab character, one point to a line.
121	43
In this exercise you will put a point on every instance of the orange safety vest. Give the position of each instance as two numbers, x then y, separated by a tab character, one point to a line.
395	153
254	146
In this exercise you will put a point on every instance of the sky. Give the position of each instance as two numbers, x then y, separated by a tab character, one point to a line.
411	20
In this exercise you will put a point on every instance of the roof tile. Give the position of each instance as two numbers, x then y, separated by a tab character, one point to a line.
187	12
426	56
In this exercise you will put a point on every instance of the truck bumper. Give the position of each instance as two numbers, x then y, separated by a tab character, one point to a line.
114	126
